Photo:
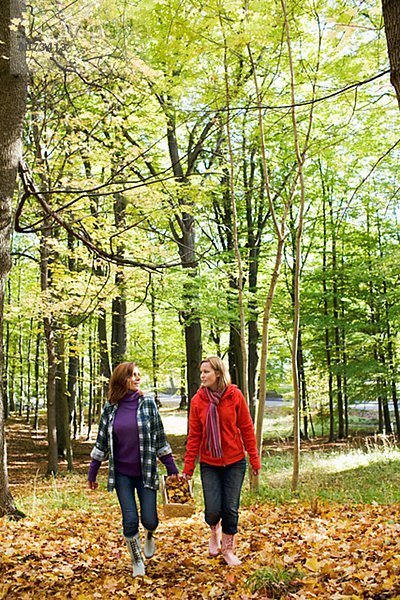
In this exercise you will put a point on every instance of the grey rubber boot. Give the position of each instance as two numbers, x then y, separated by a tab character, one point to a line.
149	545
136	555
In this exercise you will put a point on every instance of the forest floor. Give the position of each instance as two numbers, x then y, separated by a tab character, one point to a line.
70	544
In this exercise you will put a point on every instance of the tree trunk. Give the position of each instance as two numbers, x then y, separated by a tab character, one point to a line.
303	386
64	447
6	362
20	355
118	326
235	358
105	369
239	278
13	88
28	376
186	242
255	226
224	218
48	324
37	386
81	417
91	372
73	366
336	330
154	348
190	318
183	402
391	18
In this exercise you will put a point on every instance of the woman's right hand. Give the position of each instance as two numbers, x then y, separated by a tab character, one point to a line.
186	476
92	485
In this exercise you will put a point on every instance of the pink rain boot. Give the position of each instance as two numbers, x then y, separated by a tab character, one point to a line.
228	545
214	545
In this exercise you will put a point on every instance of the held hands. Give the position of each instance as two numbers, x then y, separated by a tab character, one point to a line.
92	485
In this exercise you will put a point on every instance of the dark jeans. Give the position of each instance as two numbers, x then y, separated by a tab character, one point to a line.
221	490
125	487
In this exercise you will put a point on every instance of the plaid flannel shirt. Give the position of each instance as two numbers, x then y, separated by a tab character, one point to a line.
152	441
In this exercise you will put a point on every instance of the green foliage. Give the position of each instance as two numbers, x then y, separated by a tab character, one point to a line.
346	474
109	82
275	581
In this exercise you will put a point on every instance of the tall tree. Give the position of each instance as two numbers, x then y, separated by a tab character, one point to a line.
13	89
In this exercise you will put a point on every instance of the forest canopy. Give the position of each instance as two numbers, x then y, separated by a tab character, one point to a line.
198	178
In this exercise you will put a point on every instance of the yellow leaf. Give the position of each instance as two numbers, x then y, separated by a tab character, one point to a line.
312	564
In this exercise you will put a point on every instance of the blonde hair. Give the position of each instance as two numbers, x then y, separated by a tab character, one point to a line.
217	365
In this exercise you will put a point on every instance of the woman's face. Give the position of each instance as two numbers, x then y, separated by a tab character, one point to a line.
133	383
208	376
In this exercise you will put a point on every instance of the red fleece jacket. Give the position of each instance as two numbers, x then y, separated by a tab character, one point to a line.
236	426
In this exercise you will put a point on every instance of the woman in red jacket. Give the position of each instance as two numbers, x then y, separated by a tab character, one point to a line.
220	431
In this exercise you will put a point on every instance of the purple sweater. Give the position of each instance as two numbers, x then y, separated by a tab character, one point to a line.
126	442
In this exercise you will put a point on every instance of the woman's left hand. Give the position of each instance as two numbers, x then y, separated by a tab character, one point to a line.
256	472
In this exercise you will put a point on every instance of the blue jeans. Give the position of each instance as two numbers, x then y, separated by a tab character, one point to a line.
125	487
221	490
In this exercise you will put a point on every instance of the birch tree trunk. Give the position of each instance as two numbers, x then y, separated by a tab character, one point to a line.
13	87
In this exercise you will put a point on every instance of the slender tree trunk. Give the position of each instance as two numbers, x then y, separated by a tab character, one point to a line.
37	383
48	325
13	88
303	385
224	219
105	369
280	234
235	357
73	366
381	426
343	352
384	388
118	330
336	329
189	316
64	446
154	349
183	402
118	326
6	362
300	158
20	355
11	395
28	376
255	226
392	369
185	239
236	242
81	418
91	374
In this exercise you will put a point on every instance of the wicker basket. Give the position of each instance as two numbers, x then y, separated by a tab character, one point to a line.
174	509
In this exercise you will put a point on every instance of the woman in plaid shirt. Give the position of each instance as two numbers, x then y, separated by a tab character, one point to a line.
131	437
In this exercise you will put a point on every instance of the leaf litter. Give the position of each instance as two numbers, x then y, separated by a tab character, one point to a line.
344	552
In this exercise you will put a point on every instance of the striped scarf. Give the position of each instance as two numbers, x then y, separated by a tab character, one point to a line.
213	434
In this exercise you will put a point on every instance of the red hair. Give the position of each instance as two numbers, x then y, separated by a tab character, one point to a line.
118	386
